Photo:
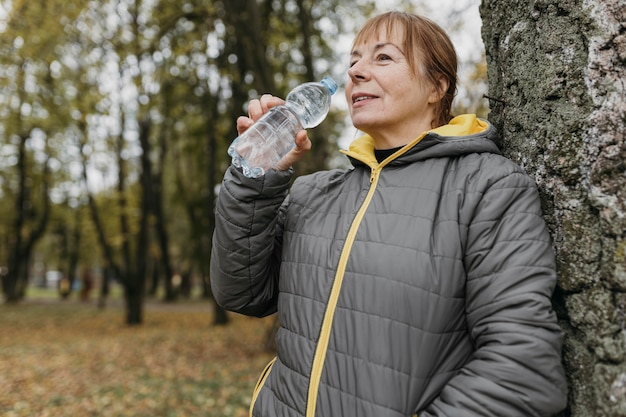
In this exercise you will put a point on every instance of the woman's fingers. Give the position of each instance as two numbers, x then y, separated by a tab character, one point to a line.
258	107
243	123
303	145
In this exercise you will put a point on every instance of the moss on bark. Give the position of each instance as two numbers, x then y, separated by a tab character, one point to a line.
557	69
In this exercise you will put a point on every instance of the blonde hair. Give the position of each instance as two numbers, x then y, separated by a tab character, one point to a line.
428	49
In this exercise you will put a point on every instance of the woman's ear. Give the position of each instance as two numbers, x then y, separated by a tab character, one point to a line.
439	90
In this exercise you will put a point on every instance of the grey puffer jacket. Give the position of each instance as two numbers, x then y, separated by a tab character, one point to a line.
418	285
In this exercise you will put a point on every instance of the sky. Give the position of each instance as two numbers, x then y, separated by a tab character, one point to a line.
446	12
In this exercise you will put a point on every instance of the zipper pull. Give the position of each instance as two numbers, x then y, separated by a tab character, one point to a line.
373	175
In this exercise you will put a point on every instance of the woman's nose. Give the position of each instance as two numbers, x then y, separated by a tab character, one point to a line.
357	72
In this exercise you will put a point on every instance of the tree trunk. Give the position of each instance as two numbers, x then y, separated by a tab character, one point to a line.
246	24
156	186
72	247
11	282
107	272
107	251
18	261
210	104
186	284
133	296
28	227
556	74
154	273
137	277
317	158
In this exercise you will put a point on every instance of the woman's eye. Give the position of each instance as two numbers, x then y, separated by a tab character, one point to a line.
383	57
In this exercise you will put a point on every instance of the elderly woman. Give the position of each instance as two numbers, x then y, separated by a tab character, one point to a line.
417	282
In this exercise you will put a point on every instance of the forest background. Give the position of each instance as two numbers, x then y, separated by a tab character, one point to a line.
116	116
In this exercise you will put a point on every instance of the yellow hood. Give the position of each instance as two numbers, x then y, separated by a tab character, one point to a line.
362	148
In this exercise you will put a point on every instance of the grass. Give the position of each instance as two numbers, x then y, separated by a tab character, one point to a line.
67	358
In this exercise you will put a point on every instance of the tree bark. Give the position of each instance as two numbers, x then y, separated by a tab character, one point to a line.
28	227
18	262
556	73
157	187
96	218
246	25
136	280
211	107
317	158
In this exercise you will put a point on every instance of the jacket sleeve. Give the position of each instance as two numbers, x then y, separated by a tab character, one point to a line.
245	256
516	369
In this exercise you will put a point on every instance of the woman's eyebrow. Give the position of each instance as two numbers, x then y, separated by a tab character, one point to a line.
383	44
378	46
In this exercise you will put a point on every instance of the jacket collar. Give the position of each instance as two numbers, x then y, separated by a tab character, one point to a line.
464	134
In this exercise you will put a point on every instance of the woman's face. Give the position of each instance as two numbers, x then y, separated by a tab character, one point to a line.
386	98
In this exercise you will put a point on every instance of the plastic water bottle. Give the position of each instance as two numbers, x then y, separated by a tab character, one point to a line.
265	142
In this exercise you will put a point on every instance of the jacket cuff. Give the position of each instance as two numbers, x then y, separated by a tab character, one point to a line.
270	185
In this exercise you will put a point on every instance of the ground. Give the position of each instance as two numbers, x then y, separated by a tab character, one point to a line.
68	358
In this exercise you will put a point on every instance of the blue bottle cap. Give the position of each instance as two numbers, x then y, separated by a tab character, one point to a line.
330	84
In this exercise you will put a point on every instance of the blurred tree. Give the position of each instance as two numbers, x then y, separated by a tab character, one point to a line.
69	231
471	96
33	122
134	126
239	66
133	103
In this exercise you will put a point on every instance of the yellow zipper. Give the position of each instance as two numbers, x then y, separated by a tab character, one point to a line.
260	382
322	344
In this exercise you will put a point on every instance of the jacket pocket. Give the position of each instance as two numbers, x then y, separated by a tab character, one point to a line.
260	382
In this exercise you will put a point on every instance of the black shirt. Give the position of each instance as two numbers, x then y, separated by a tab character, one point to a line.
382	154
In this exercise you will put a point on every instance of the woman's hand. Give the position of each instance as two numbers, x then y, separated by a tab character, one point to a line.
303	145
256	109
